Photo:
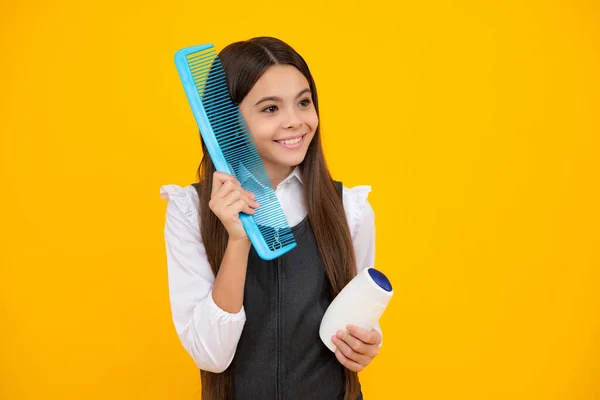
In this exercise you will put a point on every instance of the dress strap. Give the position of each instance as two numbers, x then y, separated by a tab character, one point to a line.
340	188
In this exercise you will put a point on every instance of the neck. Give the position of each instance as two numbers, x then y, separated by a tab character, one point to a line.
276	175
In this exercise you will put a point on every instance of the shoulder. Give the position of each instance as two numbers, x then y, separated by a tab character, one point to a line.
183	200
357	207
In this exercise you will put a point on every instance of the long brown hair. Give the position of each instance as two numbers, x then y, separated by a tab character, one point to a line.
244	63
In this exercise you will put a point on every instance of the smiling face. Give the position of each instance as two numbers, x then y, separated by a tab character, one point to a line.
281	118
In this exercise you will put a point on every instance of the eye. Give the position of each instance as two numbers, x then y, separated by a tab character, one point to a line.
304	103
270	109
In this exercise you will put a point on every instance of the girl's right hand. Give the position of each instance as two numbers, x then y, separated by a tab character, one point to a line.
227	200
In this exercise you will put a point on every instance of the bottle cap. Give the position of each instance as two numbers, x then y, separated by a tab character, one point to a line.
380	279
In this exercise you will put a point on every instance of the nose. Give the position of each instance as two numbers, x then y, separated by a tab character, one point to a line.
292	119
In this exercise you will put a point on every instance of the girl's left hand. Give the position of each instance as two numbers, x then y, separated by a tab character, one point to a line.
357	347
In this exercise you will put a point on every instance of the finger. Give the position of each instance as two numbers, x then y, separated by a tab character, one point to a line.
219	178
242	206
369	337
232	197
229	186
217	182
237	193
222	176
349	353
358	345
351	365
251	196
225	189
250	202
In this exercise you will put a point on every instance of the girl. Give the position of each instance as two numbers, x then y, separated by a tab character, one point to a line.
252	325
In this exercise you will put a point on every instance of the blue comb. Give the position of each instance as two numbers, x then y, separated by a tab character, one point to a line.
231	147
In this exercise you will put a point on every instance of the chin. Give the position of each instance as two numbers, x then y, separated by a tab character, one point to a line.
293	162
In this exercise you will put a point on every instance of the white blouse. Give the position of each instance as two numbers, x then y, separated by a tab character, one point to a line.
208	333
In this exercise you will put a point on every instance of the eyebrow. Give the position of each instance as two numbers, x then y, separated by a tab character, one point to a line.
275	98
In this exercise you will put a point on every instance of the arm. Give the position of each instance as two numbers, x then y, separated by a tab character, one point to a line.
208	329
228	292
361	220
357	347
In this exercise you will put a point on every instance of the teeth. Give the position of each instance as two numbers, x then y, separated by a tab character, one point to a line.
292	141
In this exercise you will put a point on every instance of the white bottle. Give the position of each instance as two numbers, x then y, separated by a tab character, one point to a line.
361	302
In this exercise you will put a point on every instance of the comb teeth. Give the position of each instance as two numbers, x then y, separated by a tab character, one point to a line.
237	147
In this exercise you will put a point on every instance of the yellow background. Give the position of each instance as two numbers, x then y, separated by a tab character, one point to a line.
476	123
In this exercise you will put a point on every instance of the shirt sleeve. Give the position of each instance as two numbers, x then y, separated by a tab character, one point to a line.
361	221
208	333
